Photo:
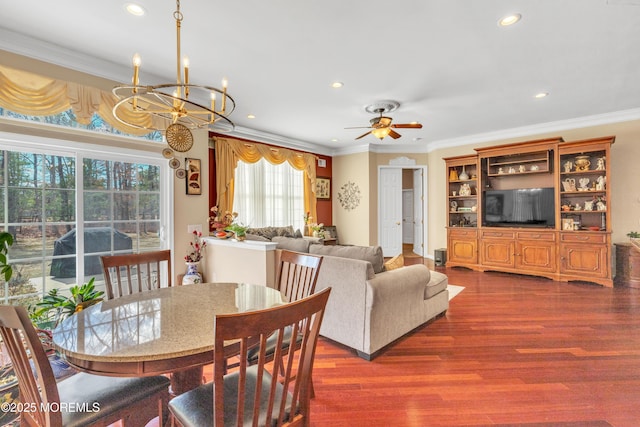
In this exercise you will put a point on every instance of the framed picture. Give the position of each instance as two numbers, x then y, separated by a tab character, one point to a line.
323	188
193	169
567	224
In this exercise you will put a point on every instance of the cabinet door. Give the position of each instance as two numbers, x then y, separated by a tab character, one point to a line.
584	259
536	256
497	253
462	251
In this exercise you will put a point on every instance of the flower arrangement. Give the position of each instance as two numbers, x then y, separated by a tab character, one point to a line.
220	221
317	227
307	218
195	248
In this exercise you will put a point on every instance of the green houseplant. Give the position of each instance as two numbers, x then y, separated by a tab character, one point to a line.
239	229
6	240
54	308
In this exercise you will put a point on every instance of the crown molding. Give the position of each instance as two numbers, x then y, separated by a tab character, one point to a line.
279	140
541	128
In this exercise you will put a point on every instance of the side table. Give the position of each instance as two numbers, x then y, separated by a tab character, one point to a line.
627	265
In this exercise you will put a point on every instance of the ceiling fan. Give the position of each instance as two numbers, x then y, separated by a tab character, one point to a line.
381	126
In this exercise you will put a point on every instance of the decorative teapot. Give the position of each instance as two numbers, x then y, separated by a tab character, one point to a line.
465	190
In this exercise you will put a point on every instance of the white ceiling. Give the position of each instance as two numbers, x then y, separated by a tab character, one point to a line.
447	62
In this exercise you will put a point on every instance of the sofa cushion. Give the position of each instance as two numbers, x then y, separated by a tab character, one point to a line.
271	232
395	262
256	237
372	254
292	244
437	283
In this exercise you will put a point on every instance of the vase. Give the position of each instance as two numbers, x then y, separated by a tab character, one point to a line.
192	276
315	234
241	238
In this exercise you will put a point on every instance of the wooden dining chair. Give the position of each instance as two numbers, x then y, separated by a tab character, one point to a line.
297	277
132	273
258	394
82	399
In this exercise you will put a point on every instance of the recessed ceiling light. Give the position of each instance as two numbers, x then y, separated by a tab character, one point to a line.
509	20
250	116
134	9
334	140
541	95
337	85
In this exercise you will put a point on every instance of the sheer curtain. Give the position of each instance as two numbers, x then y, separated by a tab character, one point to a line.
269	195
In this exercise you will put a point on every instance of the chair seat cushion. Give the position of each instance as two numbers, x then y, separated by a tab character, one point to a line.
100	395
195	407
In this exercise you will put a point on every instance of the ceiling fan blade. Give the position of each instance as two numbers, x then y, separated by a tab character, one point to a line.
393	134
363	135
408	126
359	127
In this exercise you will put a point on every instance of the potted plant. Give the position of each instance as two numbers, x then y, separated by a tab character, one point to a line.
54	308
6	240
634	237
239	229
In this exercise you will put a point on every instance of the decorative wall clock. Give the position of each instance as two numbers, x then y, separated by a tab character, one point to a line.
349	196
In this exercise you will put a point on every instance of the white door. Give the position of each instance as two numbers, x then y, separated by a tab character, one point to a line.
418	213
407	216
390	211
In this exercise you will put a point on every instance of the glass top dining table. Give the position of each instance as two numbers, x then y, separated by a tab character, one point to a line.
155	332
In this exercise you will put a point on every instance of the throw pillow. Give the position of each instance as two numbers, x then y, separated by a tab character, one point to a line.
395	262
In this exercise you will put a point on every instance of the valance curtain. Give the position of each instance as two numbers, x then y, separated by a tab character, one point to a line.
230	150
34	95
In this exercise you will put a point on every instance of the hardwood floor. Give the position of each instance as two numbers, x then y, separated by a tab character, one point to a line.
511	350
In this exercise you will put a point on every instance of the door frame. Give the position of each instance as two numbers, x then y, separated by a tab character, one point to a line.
407	165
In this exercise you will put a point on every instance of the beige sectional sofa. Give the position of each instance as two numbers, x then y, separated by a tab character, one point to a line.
369	307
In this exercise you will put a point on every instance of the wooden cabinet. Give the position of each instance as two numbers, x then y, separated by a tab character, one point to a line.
565	235
627	265
462	244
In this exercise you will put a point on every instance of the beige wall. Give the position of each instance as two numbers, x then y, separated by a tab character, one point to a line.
354	225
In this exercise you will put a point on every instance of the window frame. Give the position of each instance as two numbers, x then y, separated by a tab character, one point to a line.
97	147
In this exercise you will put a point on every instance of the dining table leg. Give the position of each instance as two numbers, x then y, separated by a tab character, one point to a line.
185	380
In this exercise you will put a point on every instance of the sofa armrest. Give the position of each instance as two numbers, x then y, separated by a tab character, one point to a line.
344	318
395	304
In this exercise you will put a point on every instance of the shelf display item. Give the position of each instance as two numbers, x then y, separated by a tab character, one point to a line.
582	163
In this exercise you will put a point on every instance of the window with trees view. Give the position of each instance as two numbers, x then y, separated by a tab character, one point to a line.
66	207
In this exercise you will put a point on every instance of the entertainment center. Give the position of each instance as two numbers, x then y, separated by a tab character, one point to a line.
537	207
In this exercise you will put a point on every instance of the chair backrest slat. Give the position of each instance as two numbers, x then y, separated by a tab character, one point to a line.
289	377
298	274
133	273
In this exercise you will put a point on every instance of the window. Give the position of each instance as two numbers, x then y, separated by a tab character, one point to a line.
269	195
65	202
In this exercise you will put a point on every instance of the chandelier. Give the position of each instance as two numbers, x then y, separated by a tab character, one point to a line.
175	108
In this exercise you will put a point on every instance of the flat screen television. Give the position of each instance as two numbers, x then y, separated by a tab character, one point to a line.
523	207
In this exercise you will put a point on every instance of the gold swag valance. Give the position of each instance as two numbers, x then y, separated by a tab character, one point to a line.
230	150
35	95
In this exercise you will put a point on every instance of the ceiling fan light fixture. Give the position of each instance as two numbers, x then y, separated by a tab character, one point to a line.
380	133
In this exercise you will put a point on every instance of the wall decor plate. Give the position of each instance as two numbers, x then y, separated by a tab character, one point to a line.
167	152
181	173
179	137
174	163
